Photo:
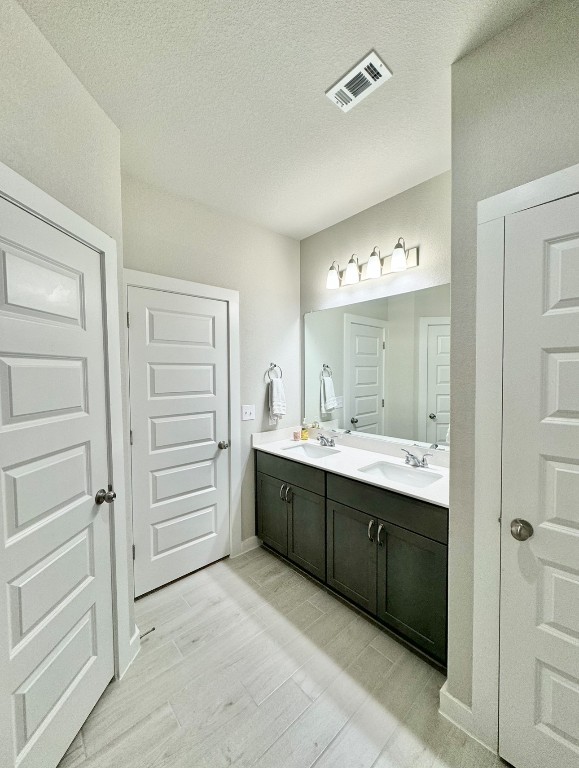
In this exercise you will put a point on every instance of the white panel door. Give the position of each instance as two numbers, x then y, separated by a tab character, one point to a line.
539	661
56	634
437	416
365	341
178	363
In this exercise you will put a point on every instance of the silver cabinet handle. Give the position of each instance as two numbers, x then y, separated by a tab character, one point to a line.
288	490
521	530
380	529
281	492
223	445
370	526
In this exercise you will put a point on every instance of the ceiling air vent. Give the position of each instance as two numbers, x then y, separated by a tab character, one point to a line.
368	75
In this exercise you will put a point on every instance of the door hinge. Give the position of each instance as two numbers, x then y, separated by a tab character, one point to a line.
133	551
128	320
383	345
131	436
382	402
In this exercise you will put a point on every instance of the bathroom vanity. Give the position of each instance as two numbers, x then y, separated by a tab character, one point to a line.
368	526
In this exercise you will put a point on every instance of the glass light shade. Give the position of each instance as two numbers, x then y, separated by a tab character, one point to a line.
352	274
398	263
374	265
333	278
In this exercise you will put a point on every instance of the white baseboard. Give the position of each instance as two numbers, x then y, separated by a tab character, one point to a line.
247	545
460	715
134	648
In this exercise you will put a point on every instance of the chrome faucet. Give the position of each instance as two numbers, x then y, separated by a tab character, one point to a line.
328	441
414	461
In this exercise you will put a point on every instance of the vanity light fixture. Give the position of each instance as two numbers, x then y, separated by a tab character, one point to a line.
333	278
352	274
374	265
399	256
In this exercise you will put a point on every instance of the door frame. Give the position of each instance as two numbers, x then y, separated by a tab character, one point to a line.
481	719
35	201
425	323
376	323
136	279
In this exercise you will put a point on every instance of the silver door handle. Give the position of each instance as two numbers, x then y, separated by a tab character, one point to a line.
432	416
370	526
288	490
521	530
281	492
380	529
353	420
223	445
102	496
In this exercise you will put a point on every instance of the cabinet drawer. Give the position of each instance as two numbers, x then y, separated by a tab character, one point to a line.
292	472
412	514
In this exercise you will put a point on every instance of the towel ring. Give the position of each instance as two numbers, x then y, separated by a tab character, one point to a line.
327	369
272	367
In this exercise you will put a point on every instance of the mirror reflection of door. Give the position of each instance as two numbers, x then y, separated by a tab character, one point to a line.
364	372
434	379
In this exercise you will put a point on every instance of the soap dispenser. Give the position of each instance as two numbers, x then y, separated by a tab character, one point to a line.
305	430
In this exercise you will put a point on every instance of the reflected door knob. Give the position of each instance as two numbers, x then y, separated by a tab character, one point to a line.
223	445
432	416
353	420
102	496
521	530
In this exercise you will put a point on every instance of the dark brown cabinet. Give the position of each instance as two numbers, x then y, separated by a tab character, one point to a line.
384	552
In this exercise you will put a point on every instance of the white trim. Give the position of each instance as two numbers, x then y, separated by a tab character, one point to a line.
248	544
538	192
425	323
162	283
488	441
29	197
457	713
374	323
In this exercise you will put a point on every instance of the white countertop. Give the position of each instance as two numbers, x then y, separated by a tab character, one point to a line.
349	461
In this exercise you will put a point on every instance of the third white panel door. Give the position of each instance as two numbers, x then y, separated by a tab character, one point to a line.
437	416
179	393
364	375
539	685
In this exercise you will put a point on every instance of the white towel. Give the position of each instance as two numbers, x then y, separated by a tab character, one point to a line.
327	395
277	405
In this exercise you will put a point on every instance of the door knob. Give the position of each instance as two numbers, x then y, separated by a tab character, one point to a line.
223	444
102	496
353	420
521	530
432	416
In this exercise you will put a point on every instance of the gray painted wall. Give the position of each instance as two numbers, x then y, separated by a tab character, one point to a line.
180	238
515	102
421	215
53	133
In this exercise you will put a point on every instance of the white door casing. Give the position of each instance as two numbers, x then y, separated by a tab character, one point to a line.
434	379
56	643
539	685
179	393
365	346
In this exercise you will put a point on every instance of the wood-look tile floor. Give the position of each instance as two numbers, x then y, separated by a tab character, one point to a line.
251	664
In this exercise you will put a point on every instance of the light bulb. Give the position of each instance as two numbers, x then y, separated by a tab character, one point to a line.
352	274
398	263
374	265
333	278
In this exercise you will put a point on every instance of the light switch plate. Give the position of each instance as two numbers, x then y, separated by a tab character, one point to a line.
247	412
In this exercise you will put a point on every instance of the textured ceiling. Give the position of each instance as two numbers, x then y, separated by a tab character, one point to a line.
223	102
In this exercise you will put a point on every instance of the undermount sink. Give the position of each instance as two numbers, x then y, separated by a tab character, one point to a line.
418	477
311	451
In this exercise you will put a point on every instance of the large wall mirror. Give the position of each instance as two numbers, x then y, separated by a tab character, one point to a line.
382	367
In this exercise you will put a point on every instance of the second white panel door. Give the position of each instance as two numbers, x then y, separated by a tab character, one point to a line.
179	393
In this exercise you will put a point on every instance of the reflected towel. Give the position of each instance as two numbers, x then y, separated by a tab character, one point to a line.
328	399
277	404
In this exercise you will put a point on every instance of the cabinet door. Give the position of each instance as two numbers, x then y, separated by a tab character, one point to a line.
412	587
307	531
351	554
271	513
